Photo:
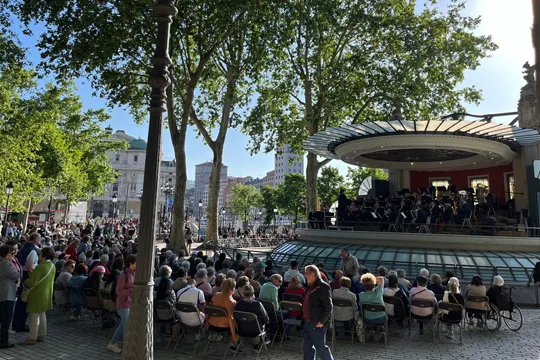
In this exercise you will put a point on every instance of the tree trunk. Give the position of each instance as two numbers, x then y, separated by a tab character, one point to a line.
178	137
213	196
312	171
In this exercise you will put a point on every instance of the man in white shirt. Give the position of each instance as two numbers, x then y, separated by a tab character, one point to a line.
421	292
190	294
293	271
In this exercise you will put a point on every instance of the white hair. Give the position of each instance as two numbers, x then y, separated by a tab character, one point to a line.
424	272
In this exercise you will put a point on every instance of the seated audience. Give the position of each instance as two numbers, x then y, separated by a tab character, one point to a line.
219	281
76	298
250	273
373	295
421	292
293	271
335	284
202	284
453	296
251	305
496	289
61	294
436	286
295	287
447	277
242	281
224	300
269	291
394	289
402	280
211	272
475	309
344	292
181	280
191	295
424	273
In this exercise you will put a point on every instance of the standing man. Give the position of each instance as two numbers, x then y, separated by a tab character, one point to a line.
317	310
349	264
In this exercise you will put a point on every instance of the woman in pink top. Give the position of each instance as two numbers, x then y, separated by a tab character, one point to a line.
124	290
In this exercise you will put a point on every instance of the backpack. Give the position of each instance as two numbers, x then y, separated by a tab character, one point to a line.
398	310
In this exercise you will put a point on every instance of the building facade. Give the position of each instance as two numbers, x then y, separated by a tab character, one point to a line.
268	180
129	163
286	162
202	178
258	183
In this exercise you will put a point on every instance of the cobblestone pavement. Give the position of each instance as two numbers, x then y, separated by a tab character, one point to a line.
75	340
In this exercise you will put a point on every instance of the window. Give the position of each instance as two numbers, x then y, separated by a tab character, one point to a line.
136	158
510	186
117	157
439	182
478	182
115	187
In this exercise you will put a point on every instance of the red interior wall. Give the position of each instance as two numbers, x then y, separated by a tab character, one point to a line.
460	178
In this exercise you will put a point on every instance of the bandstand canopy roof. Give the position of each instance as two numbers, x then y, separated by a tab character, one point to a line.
422	145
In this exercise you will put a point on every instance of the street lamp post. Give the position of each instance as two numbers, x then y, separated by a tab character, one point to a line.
114	201
222	219
199	231
140	335
275	214
9	191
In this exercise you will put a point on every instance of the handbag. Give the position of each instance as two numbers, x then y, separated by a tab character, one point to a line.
26	290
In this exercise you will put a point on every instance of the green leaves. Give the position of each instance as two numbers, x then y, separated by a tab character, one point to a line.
243	199
328	186
50	145
291	195
355	176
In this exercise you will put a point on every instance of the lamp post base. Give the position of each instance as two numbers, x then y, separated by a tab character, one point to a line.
140	326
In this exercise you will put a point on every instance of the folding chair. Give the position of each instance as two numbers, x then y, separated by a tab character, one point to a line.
198	330
210	312
429	320
164	315
95	307
290	307
344	303
293	297
398	302
374	308
467	221
451	308
276	322
425	227
245	321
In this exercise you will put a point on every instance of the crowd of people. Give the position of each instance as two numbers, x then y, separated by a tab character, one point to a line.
37	271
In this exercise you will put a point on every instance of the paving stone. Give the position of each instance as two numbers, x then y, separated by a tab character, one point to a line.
68	340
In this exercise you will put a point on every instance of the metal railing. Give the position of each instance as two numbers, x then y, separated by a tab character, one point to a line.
466	228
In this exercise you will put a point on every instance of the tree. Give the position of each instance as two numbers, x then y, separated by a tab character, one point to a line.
291	198
243	199
50	145
328	186
353	61
269	202
356	175
209	43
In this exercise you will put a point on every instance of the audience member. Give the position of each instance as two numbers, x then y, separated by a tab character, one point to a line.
421	292
475	309
453	296
224	300
436	286
269	291
293	271
335	284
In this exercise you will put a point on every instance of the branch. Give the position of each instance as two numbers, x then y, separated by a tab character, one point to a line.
363	108
297	99
200	126
321	164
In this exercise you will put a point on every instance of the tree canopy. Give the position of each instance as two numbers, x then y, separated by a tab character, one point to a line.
352	61
291	195
356	175
50	145
243	199
328	186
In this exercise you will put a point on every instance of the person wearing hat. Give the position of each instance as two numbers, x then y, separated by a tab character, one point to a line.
259	272
496	289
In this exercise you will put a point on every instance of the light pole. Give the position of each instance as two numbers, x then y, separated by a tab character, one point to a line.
9	191
199	231
222	219
275	214
259	224
114	201
140	335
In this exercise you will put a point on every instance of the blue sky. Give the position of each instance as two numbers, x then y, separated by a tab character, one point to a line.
499	77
